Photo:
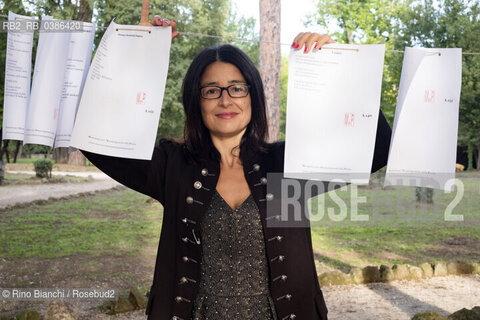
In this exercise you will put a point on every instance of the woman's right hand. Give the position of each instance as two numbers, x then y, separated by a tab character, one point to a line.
159	22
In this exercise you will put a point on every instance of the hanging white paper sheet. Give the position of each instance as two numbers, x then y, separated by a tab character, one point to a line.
18	65
333	105
78	62
47	84
424	138
122	99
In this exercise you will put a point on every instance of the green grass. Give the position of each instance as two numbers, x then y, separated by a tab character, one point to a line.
117	222
398	230
351	246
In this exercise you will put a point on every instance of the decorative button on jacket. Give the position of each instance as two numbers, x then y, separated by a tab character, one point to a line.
185	188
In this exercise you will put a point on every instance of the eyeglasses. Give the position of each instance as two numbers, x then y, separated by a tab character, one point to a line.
239	90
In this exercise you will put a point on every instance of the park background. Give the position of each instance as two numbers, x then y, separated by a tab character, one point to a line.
109	238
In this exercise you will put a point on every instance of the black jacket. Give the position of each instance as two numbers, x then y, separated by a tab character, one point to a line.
185	189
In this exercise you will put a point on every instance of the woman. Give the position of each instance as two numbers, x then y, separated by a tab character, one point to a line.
217	258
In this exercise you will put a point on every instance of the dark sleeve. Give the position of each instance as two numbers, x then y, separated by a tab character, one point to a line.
145	176
382	143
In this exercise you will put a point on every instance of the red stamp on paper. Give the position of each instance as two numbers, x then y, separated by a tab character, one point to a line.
429	96
349	119
141	96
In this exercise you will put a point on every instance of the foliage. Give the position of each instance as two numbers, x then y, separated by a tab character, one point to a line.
29	149
43	168
10	150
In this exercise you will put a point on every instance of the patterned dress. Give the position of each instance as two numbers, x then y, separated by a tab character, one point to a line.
234	271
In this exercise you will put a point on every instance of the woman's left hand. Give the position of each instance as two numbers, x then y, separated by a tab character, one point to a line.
305	41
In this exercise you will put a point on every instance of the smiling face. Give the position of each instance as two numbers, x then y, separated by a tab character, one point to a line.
225	116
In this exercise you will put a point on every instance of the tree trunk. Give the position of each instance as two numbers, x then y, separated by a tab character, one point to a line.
61	155
76	158
478	156
270	62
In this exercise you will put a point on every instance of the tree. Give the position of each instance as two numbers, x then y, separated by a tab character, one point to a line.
269	62
65	10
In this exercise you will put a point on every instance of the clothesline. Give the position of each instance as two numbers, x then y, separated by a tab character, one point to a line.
203	35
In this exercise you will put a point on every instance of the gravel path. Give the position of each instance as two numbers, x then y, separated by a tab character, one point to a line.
21	194
398	300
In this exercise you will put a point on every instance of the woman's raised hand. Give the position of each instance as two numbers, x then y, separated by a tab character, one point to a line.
156	21
305	40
